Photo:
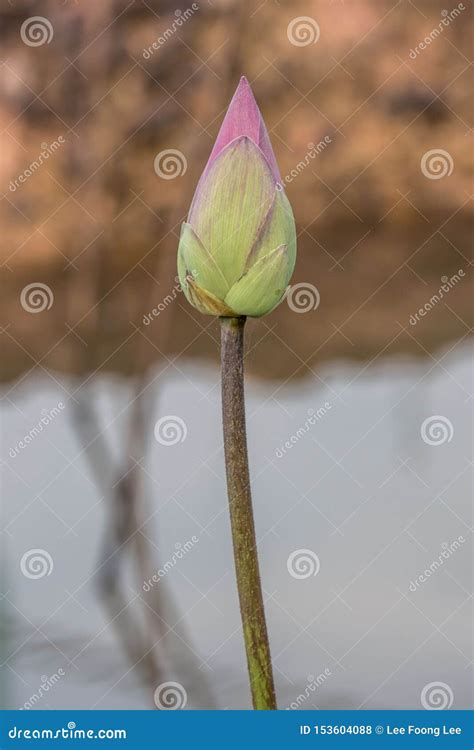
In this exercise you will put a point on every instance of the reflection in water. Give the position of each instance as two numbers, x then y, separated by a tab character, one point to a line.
342	474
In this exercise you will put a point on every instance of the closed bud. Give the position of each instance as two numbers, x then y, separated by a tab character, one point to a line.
237	249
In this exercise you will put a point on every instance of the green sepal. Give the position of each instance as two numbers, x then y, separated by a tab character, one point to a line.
263	286
205	301
195	260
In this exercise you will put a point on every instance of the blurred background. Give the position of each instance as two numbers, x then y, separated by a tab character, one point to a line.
117	586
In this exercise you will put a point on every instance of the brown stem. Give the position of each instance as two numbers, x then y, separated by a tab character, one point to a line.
241	515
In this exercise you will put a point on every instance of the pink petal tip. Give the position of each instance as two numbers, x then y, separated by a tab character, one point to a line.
243	117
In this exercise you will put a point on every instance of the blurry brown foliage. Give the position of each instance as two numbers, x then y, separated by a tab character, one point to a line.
100	227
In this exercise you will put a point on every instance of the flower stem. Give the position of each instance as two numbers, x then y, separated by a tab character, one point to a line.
241	515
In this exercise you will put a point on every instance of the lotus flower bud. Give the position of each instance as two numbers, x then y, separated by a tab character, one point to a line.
237	249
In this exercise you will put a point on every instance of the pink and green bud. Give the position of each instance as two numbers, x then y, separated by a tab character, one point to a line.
237	249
